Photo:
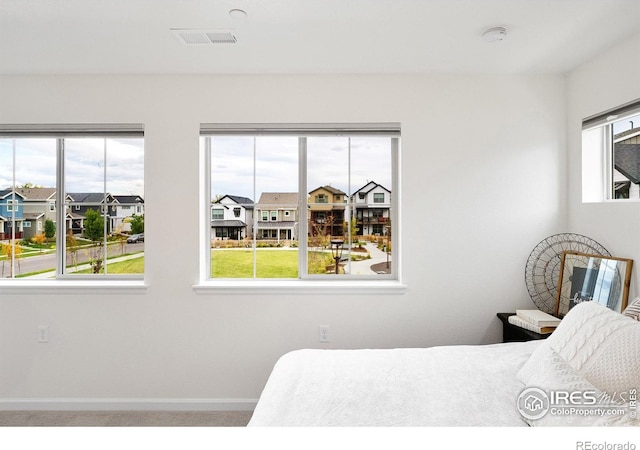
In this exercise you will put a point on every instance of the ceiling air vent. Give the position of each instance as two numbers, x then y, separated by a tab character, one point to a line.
200	37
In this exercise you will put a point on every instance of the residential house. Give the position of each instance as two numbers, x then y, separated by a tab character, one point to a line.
326	211
39	206
81	202
277	216
11	211
626	154
126	207
232	218
371	206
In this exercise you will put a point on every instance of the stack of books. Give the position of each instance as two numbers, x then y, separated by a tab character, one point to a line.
534	320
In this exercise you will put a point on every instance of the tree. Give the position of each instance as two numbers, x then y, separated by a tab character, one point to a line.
39	238
94	231
137	224
72	247
49	229
93	226
11	249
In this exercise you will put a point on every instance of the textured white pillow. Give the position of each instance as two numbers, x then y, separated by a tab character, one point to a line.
633	309
600	344
555	374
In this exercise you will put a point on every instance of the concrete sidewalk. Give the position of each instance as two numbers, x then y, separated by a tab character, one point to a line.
365	267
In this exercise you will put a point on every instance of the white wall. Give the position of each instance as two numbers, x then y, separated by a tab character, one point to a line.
605	82
483	166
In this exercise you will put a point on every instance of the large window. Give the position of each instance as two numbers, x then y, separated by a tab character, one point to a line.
300	183
91	170
611	154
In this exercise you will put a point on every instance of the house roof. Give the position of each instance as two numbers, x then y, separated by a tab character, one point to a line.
37	193
227	223
627	161
128	198
273	225
278	198
627	134
88	197
236	198
7	192
32	216
369	187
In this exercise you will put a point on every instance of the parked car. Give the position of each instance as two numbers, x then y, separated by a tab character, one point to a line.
136	238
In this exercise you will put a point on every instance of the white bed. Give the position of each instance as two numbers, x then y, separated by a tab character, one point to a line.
453	385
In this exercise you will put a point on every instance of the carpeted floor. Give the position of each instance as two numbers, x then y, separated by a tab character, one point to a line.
124	418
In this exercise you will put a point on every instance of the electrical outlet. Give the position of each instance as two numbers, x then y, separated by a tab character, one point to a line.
324	333
43	334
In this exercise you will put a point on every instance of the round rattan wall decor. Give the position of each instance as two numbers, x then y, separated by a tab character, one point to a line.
543	266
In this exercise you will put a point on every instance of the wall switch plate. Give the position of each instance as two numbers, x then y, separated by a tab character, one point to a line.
324	333
43	334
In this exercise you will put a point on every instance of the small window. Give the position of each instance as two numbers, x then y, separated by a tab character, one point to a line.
236	212
217	214
611	155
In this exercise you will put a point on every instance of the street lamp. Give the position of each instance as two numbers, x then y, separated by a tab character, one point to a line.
336	251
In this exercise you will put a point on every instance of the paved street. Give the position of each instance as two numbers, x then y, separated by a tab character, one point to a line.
48	261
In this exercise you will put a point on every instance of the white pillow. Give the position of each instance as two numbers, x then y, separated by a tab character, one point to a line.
601	345
633	309
555	374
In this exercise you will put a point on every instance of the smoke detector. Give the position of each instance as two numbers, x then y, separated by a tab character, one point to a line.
204	37
495	34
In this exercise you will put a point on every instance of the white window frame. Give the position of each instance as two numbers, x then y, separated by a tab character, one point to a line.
64	282
598	153
317	285
216	210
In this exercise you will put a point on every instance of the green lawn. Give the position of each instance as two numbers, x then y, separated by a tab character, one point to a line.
130	266
269	263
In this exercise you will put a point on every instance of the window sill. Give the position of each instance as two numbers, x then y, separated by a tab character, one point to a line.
279	287
121	287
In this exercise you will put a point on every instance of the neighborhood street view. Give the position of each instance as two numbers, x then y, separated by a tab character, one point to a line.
259	219
103	200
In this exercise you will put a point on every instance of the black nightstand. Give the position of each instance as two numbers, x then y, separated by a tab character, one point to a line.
512	333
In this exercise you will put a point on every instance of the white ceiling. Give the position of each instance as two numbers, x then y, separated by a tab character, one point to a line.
309	36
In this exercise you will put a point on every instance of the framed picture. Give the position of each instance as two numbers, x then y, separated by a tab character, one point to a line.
585	277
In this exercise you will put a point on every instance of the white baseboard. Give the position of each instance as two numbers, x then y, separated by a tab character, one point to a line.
126	404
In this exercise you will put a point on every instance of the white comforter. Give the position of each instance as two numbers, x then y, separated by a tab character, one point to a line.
437	386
